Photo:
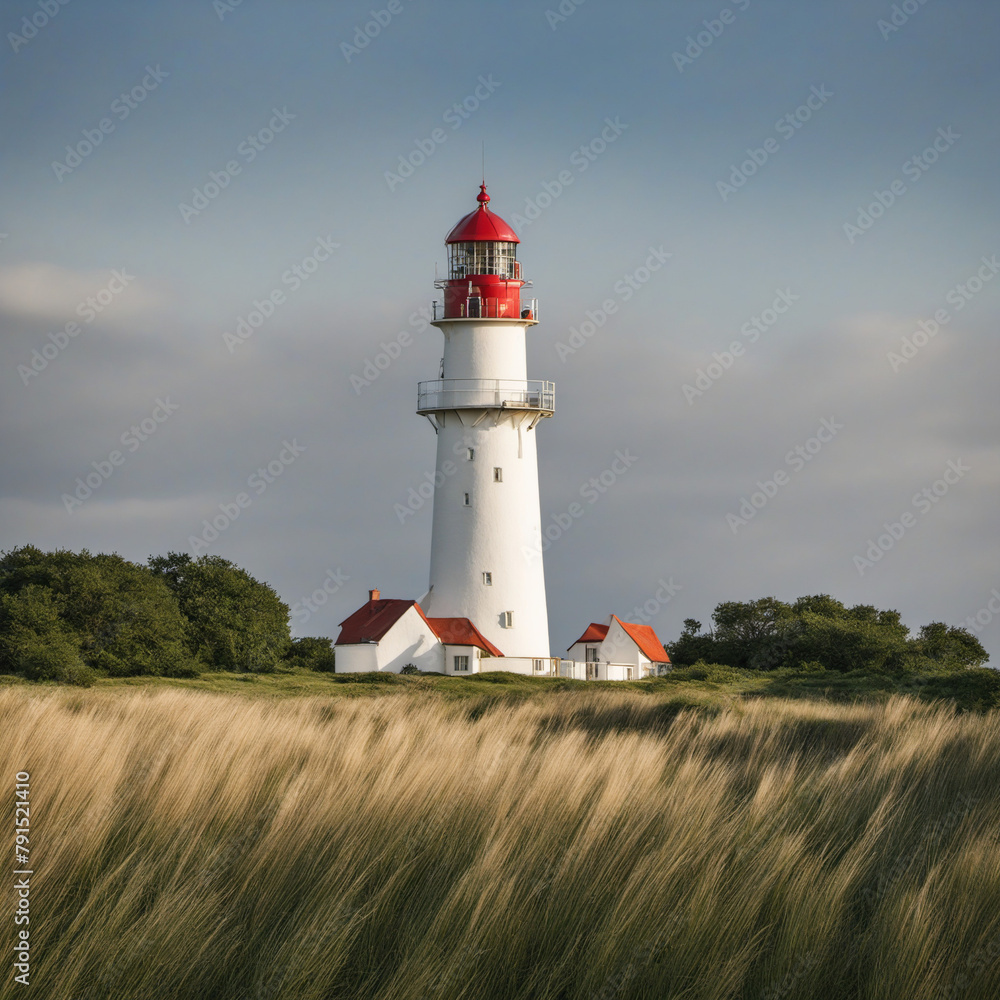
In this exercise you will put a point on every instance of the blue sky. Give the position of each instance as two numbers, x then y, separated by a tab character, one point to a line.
684	128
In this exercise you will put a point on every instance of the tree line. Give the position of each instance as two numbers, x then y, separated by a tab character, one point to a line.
821	633
71	617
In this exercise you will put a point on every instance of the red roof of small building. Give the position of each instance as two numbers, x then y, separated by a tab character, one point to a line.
646	639
373	620
642	635
481	224
461	632
594	633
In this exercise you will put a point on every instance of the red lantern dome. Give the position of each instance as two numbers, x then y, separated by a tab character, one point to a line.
484	275
482	224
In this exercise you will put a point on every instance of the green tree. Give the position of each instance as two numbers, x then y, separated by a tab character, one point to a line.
949	646
234	621
313	652
124	619
822	632
752	634
692	646
35	642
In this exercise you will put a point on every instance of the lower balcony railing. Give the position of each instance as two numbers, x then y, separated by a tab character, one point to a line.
485	393
474	307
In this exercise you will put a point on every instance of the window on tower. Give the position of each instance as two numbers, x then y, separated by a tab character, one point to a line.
467	501
506	619
497	474
488	579
470	454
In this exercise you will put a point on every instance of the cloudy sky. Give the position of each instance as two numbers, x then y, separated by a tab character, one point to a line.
822	177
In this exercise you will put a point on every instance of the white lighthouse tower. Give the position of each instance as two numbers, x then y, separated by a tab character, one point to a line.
486	553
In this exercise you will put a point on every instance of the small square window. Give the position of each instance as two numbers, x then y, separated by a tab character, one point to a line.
470	454
488	579
506	619
497	475
461	664
539	665
468	499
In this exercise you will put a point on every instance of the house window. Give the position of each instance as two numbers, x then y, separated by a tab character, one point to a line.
470	454
497	474
539	666
461	664
467	502
591	654
506	619
488	579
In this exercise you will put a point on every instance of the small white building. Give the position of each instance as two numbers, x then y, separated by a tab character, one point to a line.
387	635
618	651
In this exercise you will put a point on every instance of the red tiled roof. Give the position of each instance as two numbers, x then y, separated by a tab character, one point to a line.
646	639
594	633
461	632
373	620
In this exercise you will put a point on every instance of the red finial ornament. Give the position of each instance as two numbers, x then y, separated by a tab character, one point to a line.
482	197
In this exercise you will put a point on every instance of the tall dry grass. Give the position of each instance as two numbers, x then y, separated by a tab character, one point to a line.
594	845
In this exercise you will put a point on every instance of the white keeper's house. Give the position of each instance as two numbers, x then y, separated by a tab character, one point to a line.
487	586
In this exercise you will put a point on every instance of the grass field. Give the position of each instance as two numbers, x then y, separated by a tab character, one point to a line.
502	839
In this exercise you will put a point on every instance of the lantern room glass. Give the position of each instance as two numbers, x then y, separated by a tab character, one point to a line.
482	257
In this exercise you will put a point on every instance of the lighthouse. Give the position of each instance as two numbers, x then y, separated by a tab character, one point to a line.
486	551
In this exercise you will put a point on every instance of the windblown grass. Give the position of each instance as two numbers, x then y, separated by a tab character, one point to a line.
593	845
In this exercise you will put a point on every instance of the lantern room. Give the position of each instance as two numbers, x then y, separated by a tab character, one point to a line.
484	276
